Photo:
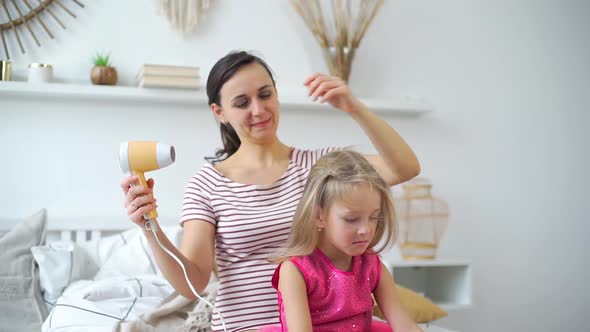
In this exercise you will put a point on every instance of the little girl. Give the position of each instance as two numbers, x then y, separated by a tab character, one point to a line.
329	268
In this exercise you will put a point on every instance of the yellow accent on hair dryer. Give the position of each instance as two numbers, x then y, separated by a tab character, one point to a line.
138	157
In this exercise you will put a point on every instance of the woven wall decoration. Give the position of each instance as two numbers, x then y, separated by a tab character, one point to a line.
21	18
184	15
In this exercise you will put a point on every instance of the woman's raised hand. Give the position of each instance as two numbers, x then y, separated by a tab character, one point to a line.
137	199
333	90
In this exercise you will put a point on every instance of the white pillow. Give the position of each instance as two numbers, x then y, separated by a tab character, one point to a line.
21	302
124	287
132	256
61	263
101	249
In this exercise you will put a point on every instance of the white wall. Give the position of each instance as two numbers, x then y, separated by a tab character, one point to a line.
506	146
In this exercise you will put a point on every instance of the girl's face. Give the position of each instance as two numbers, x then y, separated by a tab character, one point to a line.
249	103
350	223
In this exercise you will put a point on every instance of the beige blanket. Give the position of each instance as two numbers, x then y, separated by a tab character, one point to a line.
179	314
175	313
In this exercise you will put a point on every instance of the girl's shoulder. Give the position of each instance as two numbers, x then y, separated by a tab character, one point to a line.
289	267
315	261
371	257
301	263
369	268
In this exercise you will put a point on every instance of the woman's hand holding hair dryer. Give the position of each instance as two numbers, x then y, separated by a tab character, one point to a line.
138	200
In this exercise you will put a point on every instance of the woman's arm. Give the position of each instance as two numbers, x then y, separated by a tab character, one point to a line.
396	162
196	254
197	248
391	306
294	294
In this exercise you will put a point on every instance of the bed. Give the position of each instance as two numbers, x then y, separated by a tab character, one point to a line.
91	274
96	274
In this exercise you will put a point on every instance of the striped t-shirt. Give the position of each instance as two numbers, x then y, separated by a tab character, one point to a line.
251	222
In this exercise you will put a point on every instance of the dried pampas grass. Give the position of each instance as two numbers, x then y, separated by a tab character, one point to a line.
338	29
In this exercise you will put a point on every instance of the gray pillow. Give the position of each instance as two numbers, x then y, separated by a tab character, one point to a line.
21	303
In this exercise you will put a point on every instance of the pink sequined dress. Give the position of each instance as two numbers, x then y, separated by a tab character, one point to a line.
338	300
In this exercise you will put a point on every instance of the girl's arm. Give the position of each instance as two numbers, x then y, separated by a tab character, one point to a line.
396	162
294	294
391	306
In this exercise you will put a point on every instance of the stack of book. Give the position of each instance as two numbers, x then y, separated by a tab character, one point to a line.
168	76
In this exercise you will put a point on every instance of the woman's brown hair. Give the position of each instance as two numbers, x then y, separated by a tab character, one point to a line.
222	71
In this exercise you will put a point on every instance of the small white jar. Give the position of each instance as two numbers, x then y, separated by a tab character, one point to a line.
40	73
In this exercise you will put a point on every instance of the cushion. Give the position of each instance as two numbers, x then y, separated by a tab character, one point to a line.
100	249
130	257
131	254
21	304
421	309
61	263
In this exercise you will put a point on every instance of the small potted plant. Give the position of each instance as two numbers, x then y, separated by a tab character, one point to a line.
102	73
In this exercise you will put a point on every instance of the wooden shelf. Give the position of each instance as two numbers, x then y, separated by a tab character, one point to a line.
402	106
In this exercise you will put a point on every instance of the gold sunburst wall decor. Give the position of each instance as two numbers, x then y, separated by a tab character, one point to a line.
20	19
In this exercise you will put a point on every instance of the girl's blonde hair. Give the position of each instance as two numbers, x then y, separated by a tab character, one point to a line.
332	177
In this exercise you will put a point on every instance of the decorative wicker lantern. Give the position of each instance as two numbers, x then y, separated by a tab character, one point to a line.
422	219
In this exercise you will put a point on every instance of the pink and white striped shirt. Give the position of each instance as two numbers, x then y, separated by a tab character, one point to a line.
251	222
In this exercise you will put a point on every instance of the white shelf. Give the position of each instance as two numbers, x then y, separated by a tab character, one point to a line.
446	282
403	106
453	306
430	263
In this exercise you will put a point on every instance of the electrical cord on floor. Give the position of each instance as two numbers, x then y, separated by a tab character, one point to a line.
151	225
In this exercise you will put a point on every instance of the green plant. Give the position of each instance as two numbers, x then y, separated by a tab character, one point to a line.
102	60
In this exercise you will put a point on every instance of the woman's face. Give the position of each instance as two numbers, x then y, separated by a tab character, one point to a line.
250	104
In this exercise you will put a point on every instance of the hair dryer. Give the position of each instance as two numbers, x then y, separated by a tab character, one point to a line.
138	157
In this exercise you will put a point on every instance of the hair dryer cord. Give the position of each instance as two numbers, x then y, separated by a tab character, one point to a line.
151	225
